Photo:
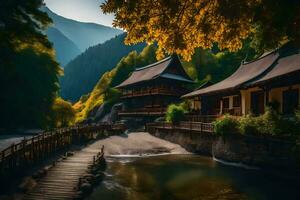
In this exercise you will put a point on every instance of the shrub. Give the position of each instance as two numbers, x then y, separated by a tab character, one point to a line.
297	114
226	125
175	113
249	125
270	123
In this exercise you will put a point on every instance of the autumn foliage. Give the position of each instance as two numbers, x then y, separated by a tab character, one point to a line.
182	25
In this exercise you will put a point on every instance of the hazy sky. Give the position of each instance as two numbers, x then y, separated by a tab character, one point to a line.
80	10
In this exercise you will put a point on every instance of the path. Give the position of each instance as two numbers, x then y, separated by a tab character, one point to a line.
62	179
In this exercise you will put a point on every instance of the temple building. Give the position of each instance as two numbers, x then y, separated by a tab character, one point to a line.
272	79
150	89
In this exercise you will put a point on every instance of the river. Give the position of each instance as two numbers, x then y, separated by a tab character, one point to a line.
182	176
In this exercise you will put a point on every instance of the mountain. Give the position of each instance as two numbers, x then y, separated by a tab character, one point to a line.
83	72
70	37
65	48
84	35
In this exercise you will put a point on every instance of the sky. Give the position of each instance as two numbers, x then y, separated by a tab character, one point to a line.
80	10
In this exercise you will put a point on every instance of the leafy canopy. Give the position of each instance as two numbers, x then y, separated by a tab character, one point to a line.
182	25
28	71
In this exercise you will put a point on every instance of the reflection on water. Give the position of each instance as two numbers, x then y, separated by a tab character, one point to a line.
187	177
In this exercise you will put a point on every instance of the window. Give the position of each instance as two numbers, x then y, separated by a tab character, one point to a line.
197	104
290	101
226	103
237	101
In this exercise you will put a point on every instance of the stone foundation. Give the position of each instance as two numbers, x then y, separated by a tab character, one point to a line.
249	150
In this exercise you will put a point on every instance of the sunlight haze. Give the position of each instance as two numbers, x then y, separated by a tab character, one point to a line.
80	10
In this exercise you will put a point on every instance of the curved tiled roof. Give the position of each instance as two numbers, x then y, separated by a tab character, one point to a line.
153	71
246	72
284	66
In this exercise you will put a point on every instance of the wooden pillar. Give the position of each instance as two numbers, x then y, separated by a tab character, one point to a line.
267	93
221	106
24	151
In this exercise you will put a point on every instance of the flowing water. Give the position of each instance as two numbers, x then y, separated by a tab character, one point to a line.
188	177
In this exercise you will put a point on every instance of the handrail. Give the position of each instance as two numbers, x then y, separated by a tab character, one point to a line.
166	91
66	131
183	125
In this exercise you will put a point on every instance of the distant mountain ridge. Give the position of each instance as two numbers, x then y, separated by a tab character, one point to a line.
65	48
83	72
70	37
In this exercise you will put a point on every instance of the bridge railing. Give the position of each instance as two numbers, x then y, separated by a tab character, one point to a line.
32	149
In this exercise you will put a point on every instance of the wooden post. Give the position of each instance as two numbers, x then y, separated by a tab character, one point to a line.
201	127
24	151
102	149
12	156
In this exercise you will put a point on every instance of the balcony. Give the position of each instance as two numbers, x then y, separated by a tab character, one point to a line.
154	91
143	112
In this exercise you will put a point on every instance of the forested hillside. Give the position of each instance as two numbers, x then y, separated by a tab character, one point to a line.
82	73
216	65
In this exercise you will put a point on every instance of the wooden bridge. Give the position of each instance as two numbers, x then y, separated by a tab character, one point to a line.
29	151
64	180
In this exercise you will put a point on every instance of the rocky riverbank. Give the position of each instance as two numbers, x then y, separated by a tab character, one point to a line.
138	144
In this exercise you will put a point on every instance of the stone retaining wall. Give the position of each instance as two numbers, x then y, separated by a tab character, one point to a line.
249	150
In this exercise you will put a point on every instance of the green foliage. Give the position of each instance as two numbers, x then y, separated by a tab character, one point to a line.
63	113
29	88
175	113
250	125
217	65
297	114
226	125
28	71
131	61
270	123
111	97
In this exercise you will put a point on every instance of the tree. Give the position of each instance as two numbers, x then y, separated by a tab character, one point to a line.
28	71
183	25
21	25
64	114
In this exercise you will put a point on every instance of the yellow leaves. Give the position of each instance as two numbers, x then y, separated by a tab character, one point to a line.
95	98
198	23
